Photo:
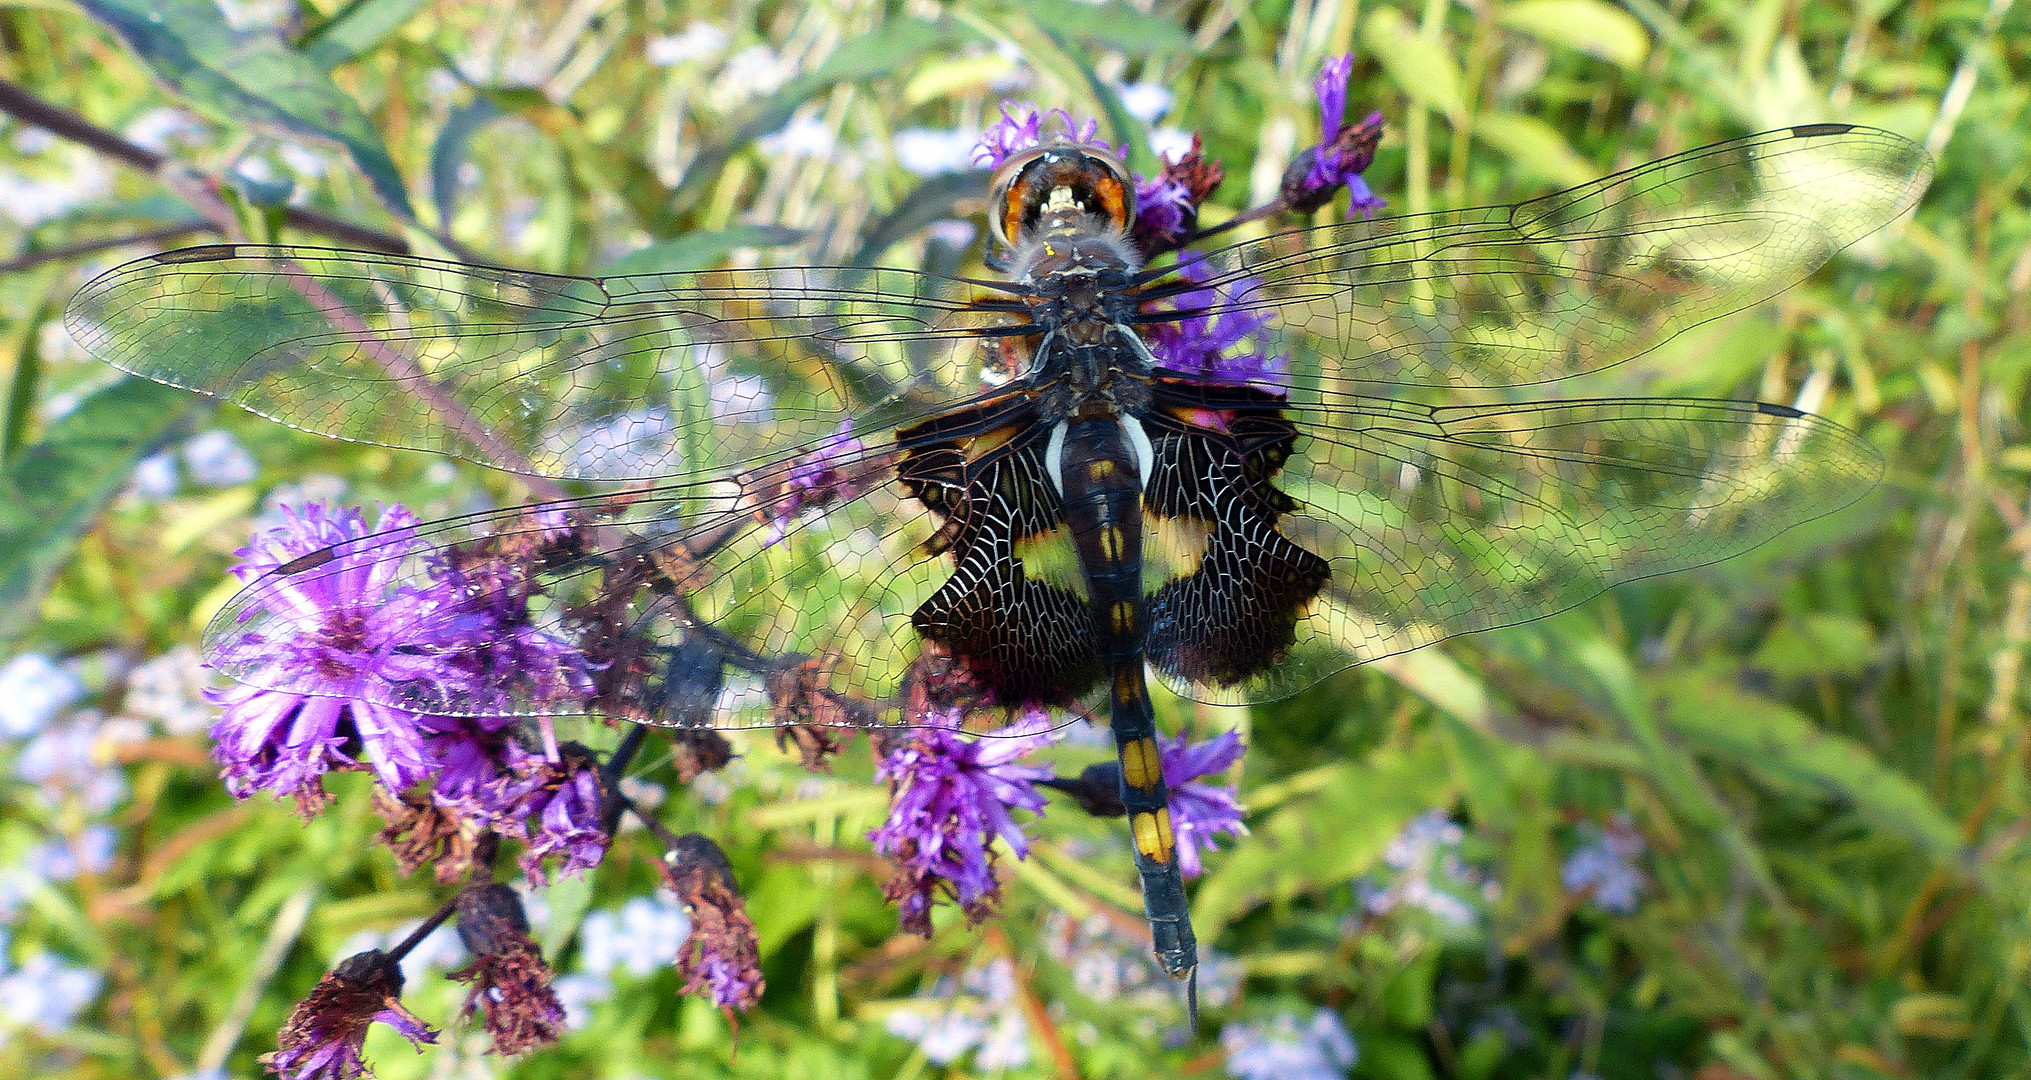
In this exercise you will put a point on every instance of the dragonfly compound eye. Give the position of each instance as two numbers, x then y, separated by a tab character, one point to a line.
1060	189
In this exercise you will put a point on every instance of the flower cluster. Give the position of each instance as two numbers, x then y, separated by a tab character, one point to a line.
1282	1049
1603	870
950	796
1426	871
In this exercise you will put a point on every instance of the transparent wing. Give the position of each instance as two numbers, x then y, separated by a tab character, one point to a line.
1575	281
656	376
803	573
1407	523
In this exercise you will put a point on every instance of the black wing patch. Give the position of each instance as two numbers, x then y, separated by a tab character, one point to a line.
981	473
1217	454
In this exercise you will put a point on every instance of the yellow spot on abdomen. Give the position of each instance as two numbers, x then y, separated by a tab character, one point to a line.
1127	688
1100	470
1122	616
1153	835
1141	765
1112	544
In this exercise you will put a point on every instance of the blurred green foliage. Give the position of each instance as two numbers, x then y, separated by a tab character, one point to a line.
1822	744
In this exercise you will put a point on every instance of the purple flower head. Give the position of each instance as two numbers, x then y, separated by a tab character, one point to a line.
819	478
950	796
556	808
510	980
1223	340
721	957
1023	126
483	628
323	1037
1199	812
1342	153
326	635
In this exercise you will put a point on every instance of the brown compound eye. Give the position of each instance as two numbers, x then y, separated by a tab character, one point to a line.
1023	185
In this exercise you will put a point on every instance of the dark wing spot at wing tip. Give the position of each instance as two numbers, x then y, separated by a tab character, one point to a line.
304	562
1785	411
202	253
1810	131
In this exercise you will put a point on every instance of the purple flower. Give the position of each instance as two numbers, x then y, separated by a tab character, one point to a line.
1337	161
950	796
1199	812
816	479
323	1037
1167	207
721	956
1023	126
555	807
328	633
510	981
1223	341
1604	870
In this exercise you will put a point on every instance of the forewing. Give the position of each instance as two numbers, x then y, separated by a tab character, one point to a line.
1576	281
1433	521
656	376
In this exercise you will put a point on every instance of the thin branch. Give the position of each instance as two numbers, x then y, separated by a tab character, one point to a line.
150	238
25	106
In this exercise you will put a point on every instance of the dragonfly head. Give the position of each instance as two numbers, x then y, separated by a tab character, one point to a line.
1061	191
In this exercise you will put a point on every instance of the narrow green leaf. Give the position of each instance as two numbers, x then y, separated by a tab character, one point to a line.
1419	66
357	28
22	385
1591	26
935	199
1115	25
250	77
59	486
447	153
1764	736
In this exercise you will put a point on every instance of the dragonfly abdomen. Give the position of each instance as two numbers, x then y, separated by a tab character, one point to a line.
1100	465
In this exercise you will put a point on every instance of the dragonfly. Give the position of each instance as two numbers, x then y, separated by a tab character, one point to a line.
869	469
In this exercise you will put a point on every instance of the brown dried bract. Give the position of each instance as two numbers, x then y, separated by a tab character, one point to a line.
419	832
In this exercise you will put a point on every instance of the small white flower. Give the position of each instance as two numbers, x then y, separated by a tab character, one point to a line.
931	151
803	136
1281	1050
215	459
155	478
698	41
47	994
33	690
1147	102
1170	144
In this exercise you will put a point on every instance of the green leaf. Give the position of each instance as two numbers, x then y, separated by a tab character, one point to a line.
698	250
1767	737
357	28
59	486
250	77
1419	66
1537	146
1591	26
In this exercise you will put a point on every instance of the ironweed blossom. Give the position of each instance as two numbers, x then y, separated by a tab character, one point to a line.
510	981
1199	812
1023	126
323	1037
950	796
721	958
1341	154
1222	339
304	710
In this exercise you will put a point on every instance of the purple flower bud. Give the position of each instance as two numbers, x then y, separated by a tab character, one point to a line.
722	957
950	796
508	975
1167	207
323	1037
1341	154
